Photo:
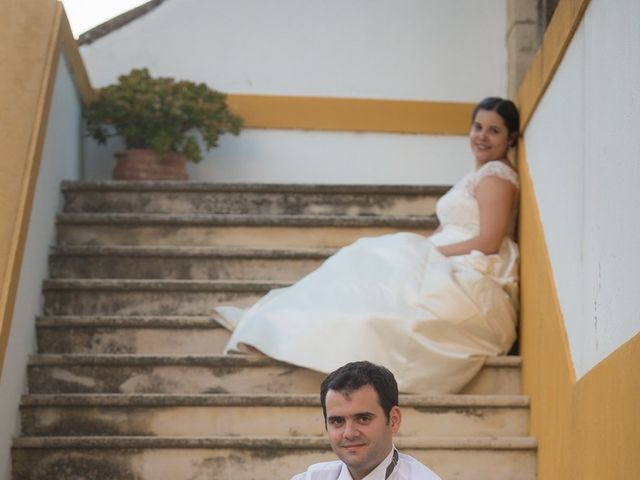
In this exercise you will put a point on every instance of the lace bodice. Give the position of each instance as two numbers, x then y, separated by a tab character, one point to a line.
458	208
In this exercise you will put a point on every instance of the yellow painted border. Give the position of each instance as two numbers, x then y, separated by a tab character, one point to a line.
26	87
75	63
587	429
352	114
557	38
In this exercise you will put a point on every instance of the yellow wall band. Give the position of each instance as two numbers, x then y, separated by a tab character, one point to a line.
557	38
351	114
75	62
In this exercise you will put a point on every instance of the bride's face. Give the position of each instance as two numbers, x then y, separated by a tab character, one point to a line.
489	137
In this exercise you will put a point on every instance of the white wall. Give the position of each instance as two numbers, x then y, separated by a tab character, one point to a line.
584	151
294	156
60	161
414	49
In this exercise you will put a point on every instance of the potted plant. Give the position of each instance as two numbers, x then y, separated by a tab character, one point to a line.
160	120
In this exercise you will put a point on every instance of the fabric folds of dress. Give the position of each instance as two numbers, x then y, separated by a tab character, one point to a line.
395	300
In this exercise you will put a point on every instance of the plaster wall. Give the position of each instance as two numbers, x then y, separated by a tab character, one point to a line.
60	161
296	156
583	152
379	49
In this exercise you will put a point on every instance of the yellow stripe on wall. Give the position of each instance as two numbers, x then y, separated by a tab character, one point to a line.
352	114
557	38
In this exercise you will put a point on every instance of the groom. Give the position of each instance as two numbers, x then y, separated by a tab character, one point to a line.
360	406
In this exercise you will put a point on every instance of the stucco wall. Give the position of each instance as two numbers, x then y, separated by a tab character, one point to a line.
60	161
416	49
584	152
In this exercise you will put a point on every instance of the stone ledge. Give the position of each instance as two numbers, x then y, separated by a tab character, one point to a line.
157	360
239	360
222	252
409	221
86	321
171	186
128	285
284	400
303	443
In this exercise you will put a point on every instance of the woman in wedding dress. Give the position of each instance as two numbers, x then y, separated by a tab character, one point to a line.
430	309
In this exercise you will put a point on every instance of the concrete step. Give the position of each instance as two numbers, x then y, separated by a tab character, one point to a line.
148	297
259	199
240	458
146	335
257	415
250	231
184	263
200	374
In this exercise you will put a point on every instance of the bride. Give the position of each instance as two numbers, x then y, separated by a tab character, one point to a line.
428	308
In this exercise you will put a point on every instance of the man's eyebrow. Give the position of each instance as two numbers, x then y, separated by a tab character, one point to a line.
358	414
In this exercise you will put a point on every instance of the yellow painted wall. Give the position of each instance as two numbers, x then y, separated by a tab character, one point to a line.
586	429
38	31
352	114
25	91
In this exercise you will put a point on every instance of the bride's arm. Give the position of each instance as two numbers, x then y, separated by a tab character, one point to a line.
495	198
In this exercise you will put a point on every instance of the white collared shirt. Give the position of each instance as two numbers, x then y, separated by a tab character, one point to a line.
408	468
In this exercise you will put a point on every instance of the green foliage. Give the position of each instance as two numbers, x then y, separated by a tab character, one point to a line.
161	114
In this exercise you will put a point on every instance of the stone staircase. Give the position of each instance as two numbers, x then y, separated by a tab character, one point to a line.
130	383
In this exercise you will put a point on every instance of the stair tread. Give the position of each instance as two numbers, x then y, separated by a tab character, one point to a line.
415	221
128	284
177	186
191	251
222	360
88	321
146	399
426	442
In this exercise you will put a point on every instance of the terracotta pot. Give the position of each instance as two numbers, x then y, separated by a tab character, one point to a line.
143	164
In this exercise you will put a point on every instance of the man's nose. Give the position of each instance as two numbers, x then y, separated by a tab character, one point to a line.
351	430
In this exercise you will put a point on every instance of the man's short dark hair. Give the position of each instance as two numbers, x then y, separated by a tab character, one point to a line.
355	375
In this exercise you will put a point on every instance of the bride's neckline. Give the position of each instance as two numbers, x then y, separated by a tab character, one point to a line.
503	161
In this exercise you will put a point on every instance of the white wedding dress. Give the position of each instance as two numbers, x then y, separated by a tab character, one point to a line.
395	300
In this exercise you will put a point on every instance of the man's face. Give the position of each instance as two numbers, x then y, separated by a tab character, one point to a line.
358	430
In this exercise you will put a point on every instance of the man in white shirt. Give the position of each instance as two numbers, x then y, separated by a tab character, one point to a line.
360	406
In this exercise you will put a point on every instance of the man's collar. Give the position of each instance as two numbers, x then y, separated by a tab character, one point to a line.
377	473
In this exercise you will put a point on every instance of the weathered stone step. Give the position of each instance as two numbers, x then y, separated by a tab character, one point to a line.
148	297
261	199
194	263
258	415
239	458
251	231
186	335
197	374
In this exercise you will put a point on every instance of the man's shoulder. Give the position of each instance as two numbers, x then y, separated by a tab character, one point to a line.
320	471
417	469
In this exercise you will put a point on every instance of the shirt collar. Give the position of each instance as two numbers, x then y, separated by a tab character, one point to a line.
377	473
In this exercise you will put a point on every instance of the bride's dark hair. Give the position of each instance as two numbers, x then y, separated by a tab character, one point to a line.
506	109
